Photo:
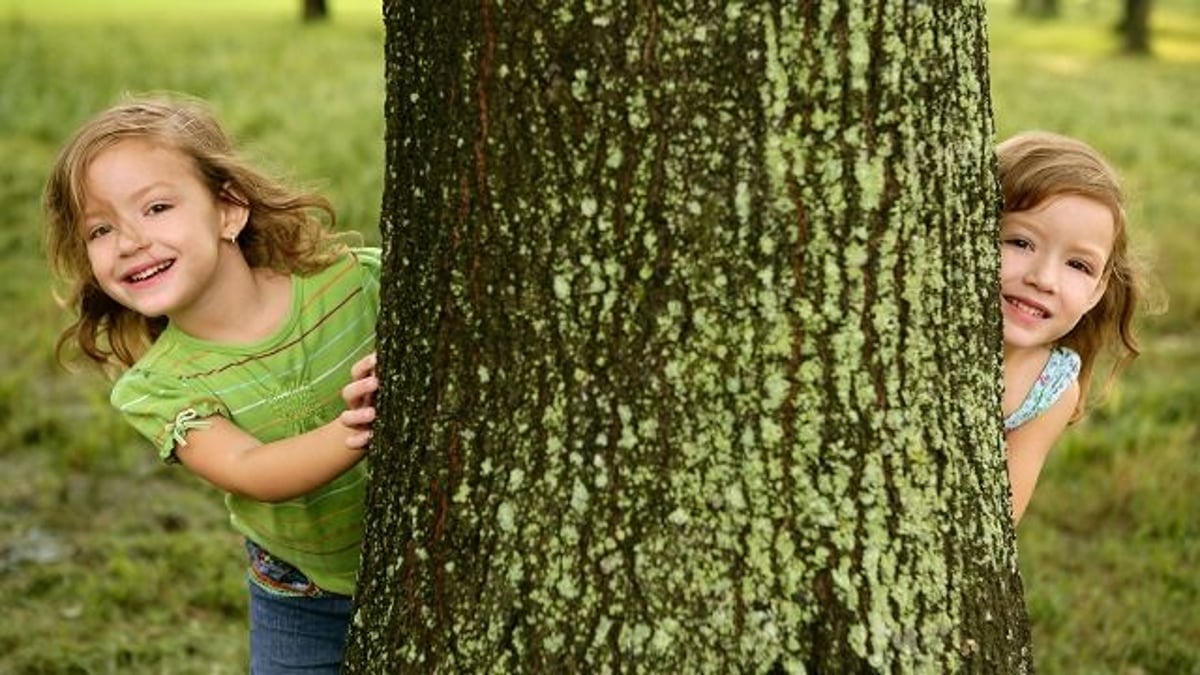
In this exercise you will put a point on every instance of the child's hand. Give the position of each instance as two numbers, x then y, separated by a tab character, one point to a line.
359	396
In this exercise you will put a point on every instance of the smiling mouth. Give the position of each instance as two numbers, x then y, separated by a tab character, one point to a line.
149	272
1035	311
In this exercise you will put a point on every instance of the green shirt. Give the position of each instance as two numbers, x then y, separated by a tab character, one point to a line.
280	387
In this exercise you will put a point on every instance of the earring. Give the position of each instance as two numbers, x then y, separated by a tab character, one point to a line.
233	238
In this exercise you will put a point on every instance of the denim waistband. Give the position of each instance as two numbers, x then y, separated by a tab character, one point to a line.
278	576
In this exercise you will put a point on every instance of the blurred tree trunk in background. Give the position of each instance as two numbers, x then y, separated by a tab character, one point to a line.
315	10
1043	8
1135	26
689	344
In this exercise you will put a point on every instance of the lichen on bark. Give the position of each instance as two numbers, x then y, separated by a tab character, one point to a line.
688	341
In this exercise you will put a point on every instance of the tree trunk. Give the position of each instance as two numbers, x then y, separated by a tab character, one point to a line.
689	343
315	10
1135	26
1039	8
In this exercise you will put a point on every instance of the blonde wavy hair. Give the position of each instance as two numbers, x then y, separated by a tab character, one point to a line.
284	231
1036	166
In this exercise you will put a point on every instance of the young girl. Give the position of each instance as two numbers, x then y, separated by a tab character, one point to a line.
234	315
1068	291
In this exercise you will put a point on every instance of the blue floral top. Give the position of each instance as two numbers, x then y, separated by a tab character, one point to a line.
1061	369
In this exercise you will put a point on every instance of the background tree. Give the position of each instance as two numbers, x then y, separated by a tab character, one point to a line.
315	10
689	345
1134	26
1043	8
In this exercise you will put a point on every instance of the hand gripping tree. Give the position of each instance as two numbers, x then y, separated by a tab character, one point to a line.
689	343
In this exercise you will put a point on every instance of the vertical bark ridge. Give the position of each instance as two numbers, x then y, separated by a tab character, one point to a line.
677	297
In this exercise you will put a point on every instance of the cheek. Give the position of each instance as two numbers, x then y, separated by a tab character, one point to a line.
1009	264
93	256
98	258
1098	291
1086	293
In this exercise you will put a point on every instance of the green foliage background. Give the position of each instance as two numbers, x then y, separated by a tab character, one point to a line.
112	563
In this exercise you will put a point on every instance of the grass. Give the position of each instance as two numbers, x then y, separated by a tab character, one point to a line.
1110	545
115	564
111	562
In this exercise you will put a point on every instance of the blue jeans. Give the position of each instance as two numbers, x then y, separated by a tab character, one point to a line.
303	633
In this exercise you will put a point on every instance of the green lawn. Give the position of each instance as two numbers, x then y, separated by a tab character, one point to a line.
1111	546
114	564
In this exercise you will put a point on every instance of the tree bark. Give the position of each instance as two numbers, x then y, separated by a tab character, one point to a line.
689	344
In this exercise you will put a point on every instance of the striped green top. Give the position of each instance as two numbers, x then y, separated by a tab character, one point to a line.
277	388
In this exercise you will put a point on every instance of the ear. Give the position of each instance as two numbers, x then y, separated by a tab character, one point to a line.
235	211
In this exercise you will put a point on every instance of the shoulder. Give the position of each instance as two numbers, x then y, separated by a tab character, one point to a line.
369	263
1064	364
165	371
159	399
1034	439
344	296
1064	406
367	256
1057	374
160	362
357	264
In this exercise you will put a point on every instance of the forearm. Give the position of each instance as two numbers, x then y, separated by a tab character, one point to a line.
295	466
270	472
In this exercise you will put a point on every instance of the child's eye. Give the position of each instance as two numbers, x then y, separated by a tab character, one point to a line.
1018	242
1081	266
158	207
96	231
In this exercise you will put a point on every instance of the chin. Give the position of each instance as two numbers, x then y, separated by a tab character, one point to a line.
1015	340
150	312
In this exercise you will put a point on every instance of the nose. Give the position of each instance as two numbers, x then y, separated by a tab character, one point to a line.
129	239
1042	273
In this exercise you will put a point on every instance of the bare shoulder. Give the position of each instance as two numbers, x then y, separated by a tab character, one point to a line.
1021	370
1041	432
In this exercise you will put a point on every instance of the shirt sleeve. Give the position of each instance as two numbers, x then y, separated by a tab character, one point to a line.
163	408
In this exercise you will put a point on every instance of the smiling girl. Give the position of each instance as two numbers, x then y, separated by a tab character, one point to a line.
1068	287
234	316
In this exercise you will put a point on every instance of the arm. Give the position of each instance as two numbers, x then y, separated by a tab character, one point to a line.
233	460
1030	444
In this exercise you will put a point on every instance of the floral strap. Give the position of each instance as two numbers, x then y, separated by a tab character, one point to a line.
1061	369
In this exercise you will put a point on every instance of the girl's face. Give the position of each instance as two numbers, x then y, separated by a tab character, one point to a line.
1052	265
153	230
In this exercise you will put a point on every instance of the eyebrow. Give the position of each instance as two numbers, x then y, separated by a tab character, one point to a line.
137	195
1098	253
1016	220
140	194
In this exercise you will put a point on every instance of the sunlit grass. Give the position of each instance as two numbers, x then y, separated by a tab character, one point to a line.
1177	35
113	563
151	14
1109	546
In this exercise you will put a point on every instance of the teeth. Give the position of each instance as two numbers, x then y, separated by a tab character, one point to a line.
149	272
1027	309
